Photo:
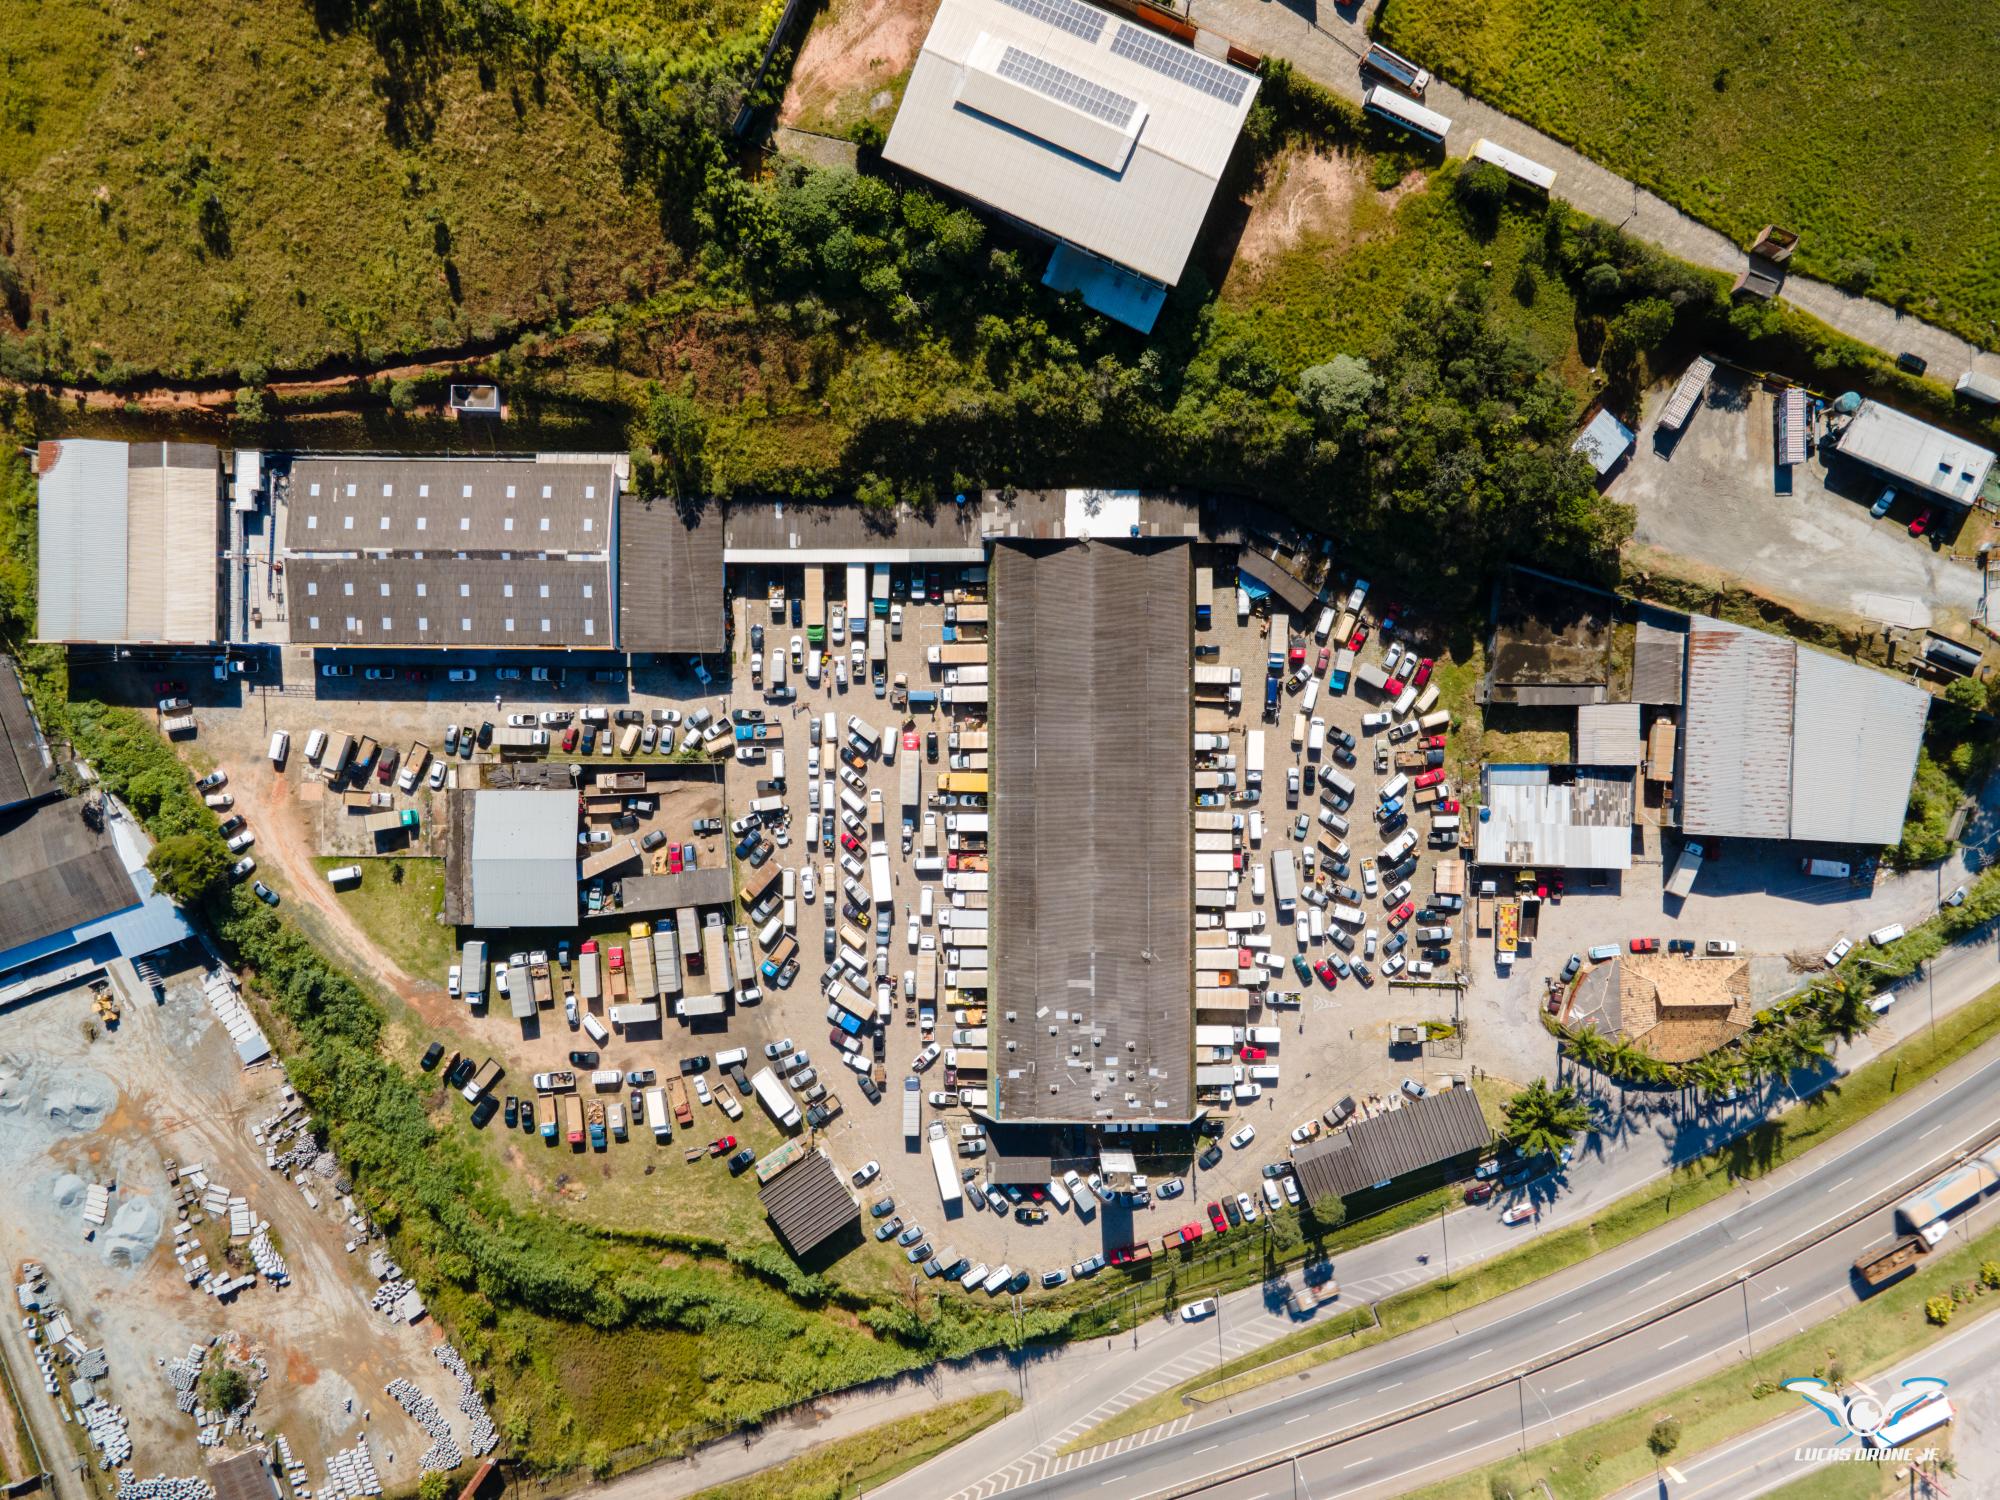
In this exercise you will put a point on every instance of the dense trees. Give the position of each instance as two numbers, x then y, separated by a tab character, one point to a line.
1542	1119
187	866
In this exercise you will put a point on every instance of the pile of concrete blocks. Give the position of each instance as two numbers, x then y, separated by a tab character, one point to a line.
264	1255
162	1487
443	1452
481	1439
106	1427
350	1473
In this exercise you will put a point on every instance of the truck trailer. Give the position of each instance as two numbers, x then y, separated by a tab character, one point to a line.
776	1098
942	1165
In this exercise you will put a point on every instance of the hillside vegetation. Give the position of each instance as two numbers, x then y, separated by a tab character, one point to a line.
1866	125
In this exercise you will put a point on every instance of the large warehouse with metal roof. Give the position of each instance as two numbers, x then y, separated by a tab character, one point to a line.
1093	904
1095	130
1783	742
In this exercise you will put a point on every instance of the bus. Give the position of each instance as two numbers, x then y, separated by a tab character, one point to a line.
1529	174
1406	114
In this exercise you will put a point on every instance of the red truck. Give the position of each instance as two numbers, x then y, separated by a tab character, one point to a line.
1186	1235
1131	1255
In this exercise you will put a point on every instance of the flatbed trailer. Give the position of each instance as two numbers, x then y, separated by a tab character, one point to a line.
1884	1264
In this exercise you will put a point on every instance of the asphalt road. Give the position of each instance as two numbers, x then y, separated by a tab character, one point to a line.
1527	1332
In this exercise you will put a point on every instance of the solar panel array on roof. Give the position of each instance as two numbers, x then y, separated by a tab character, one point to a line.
1077	20
1151	50
1065	87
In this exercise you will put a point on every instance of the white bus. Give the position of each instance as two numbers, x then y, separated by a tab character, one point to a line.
1530	174
1385	104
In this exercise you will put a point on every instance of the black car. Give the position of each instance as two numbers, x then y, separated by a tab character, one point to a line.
1019	1284
761	854
1234	1213
484	1111
485	734
265	894
696	1064
756	637
583	1059
1341	738
930	745
1915	364
231	826
628	716
1680	945
1344	756
740	1162
652	841
431	1055
460	1072
512	1115
528	1115
589	738
747	715
1210	1158
870	1090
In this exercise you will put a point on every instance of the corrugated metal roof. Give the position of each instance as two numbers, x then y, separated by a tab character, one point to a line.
1093	913
523	858
26	771
1604	442
1295	593
129	542
1658	662
1422	1133
1529	818
707	886
786	531
1736	759
56	874
1123	162
1854	749
1607	734
808	1203
556	504
445	601
1940	463
670	578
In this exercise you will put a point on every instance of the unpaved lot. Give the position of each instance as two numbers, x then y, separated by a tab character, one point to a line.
854	63
167	1085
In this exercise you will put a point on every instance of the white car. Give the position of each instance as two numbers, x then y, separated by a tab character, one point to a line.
778	1048
520	721
463	674
1370	723
1194	1312
701	1088
940	1099
451	981
867	1172
1306	1132
1396	895
1247	1206
926	1057
242	867
1243	1137
1838	951
1291	1187
438	769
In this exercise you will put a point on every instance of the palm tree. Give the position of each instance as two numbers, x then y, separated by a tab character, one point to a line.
1714	1075
1846	1011
1541	1119
1631	1063
1807	1038
1590	1047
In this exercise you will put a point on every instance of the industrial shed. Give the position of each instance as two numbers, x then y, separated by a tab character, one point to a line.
1780	742
1376	1151
1564	817
451	552
27	771
1099	132
670	581
523	858
1607	734
807	1202
129	542
1093	905
1943	465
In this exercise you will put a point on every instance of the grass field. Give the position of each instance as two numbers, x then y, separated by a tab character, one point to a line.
497	200
1707	1178
401	915
1866	125
1888	1327
850	1466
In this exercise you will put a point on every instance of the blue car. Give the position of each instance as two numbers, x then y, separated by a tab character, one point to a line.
1881	507
748	842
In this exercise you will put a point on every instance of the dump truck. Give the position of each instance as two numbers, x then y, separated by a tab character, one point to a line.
678	1094
572	1110
595	1116
1886	1263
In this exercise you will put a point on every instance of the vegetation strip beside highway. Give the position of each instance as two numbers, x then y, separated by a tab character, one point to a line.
1887	1328
1846	1102
853	1465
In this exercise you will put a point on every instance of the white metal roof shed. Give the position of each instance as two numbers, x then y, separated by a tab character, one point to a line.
1855	737
1095	130
523	858
1529	818
1939	463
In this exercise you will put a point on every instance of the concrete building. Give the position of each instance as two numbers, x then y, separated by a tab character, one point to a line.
129	543
513	553
1782	742
1099	132
1938	465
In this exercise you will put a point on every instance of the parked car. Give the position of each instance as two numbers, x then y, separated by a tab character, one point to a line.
1243	1137
265	894
1194	1312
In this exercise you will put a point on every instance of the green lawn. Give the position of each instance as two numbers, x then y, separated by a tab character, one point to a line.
1866	125
400	915
850	1466
1889	1327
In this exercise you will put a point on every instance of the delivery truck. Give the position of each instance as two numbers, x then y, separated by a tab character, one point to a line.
656	1114
943	1165
776	1098
572	1113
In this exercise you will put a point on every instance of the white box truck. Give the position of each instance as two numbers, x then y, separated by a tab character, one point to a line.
941	1163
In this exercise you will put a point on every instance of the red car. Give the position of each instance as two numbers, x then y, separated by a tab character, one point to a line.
1359	639
1435	742
1325	658
674	861
1449	805
1645	945
1479	1192
1428	778
1402	914
1423	672
1191	1232
1215	1217
1327	976
721	1145
1254	1054
1124	1255
170	687
569	739
1922	523
850	843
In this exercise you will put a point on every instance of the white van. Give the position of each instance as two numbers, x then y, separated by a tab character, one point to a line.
1298	729
925	904
777	765
1256	828
315	745
1882	937
281	743
1351	915
1436	723
1338	784
830	732
790	881
1059	1193
1311	696
1325	627
1264	1073
596	1029
342	874
729	1057
1263	1036
1394	787
1316	740
628	742
853	803
768	933
1445	823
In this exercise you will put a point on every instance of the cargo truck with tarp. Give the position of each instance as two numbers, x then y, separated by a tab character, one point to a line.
667	960
644	977
589	981
472	972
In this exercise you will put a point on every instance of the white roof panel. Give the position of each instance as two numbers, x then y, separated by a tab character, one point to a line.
1018	104
1854	749
523	858
1940	463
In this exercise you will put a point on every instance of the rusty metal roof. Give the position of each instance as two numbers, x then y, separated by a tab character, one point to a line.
1736	754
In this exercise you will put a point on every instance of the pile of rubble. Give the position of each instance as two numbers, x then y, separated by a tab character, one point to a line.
161	1487
443	1452
308	1166
56	1343
482	1438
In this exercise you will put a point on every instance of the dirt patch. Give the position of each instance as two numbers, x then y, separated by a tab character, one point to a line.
298	1369
1305	195
859	50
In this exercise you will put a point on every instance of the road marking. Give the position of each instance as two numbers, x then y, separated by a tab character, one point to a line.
1112	1480
1357	1463
1769	1295
1388	1387
1661	1277
1209	1449
1570	1387
1487	1350
1931	1132
1302	1417
1461	1427
1671	1342
1572	1315
1840	1184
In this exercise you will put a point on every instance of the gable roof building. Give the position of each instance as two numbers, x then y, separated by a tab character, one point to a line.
1375	1151
1099	132
523	858
1942	464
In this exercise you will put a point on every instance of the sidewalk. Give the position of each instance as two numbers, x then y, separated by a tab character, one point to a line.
1326	44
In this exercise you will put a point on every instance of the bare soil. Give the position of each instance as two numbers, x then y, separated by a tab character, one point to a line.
1305	195
856	50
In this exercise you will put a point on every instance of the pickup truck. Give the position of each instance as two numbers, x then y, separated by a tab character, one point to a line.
555	1083
413	767
726	1097
677	1094
1131	1255
1885	1264
1175	1239
823	1111
596	1118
